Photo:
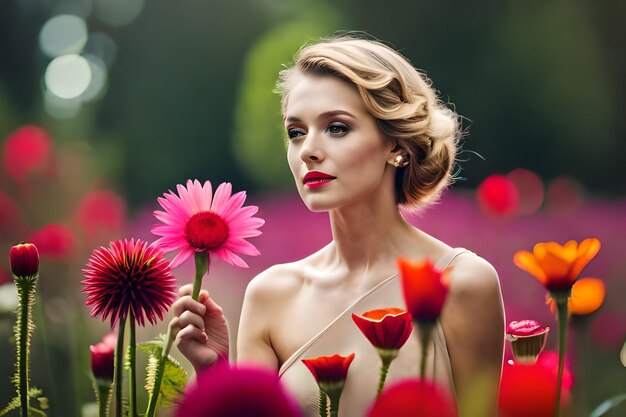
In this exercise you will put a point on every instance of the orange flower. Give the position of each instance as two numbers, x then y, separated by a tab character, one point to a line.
557	266
587	296
385	328
425	289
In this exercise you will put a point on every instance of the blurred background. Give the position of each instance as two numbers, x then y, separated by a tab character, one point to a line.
107	104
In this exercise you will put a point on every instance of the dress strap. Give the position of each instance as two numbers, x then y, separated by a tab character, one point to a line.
450	256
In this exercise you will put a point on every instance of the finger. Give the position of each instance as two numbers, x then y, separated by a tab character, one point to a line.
190	333
188	318
186	303
212	307
186	289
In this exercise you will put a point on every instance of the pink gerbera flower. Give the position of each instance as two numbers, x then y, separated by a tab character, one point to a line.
196	221
129	276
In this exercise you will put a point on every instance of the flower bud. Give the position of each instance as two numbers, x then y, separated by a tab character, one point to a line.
527	340
24	260
102	361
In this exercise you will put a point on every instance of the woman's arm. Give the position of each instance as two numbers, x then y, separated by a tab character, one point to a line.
473	323
253	339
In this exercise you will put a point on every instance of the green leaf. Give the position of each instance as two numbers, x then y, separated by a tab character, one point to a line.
607	405
174	376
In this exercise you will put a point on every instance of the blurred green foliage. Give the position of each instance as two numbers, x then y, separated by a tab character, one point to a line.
190	93
258	140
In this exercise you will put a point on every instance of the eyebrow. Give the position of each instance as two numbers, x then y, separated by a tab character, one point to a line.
324	115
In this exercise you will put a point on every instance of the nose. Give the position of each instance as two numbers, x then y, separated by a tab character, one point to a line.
311	150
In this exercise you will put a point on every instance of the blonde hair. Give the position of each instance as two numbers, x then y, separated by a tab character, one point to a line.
402	101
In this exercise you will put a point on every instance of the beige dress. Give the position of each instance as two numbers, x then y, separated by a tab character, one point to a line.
343	337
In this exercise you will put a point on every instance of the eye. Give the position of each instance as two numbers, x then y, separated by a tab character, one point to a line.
337	129
293	133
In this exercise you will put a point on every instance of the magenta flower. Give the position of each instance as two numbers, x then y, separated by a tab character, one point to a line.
232	392
128	276
102	358
195	220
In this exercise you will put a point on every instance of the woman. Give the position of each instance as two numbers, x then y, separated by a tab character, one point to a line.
366	132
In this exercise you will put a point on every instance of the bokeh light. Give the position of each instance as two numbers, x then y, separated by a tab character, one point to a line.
60	108
27	151
68	76
118	12
101	45
498	195
96	87
564	195
63	34
530	189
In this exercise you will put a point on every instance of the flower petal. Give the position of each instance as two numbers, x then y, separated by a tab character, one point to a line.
587	296
527	262
587	250
222	194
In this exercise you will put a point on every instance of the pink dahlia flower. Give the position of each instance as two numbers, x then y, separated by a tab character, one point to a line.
195	220
129	276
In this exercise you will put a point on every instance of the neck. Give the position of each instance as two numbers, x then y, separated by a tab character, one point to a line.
370	236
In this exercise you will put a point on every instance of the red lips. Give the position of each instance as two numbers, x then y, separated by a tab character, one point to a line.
314	179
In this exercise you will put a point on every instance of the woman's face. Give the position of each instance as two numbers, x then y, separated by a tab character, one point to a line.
336	152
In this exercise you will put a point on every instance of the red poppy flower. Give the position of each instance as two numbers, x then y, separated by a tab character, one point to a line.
24	259
102	358
530	390
328	369
425	289
233	392
129	276
386	328
557	266
527	339
54	240
27	150
413	397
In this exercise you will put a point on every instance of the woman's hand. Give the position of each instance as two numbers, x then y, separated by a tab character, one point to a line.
200	328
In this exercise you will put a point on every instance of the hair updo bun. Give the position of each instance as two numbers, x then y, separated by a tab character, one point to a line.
402	101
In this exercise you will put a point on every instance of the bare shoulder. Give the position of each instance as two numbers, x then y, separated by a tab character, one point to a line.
276	282
474	275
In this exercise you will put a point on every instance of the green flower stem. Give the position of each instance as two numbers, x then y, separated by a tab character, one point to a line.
23	330
103	396
158	377
119	366
386	356
561	299
426	329
334	402
132	383
202	266
323	404
580	324
333	390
